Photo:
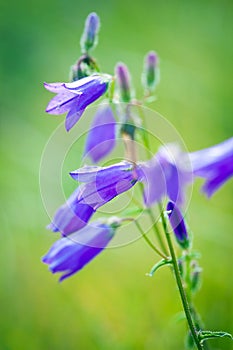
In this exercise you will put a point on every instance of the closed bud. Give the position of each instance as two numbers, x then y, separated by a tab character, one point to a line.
74	73
195	277
150	74
178	225
181	267
123	82
89	38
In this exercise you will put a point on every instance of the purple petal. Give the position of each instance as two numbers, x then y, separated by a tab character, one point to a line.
208	158
61	103
165	174
92	82
178	225
69	255
213	183
177	171
101	137
55	87
73	116
109	174
97	193
83	84
215	164
72	215
154	181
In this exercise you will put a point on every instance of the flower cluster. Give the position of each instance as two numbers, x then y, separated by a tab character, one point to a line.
163	177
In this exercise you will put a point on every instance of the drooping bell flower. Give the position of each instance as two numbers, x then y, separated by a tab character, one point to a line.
76	96
102	134
100	185
70	254
214	164
178	224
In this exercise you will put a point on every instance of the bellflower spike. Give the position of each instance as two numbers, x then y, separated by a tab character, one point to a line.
215	164
178	225
100	185
101	137
70	254
76	96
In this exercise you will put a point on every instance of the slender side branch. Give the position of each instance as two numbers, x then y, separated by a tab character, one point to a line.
149	242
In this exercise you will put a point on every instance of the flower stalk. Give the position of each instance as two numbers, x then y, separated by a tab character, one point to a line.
183	297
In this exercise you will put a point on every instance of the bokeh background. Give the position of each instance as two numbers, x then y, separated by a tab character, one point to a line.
111	303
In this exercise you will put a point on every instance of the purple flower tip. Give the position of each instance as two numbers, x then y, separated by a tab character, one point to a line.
123	80
152	59
178	224
150	74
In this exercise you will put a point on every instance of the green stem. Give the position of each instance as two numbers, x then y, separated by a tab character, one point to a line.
149	242
156	231
145	137
146	143
154	226
180	285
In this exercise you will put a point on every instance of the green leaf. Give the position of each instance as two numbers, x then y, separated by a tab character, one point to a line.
205	335
159	264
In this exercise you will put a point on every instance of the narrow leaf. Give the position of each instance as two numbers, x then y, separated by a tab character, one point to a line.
205	335
159	264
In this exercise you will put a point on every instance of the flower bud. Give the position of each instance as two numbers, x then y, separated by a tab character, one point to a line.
123	81
150	74
178	225
181	267
195	277
89	38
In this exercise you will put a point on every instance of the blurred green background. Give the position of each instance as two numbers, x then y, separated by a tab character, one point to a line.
111	303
